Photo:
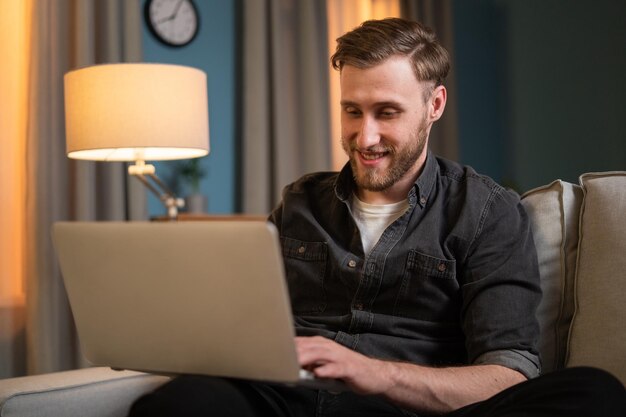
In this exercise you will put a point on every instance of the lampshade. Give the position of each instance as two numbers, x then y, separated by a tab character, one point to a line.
127	112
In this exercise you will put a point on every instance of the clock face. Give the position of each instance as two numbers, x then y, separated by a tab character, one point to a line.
174	22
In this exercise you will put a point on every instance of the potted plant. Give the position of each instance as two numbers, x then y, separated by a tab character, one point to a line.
189	173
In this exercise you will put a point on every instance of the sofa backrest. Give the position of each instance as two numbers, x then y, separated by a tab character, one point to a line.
580	235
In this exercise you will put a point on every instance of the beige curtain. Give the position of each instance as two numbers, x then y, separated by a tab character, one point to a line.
64	34
437	14
14	41
285	130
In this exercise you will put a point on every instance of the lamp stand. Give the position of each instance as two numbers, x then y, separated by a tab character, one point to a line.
146	173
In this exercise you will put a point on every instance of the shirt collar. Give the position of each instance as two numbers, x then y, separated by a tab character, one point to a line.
426	180
344	184
419	194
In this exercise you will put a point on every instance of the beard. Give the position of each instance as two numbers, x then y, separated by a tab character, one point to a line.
403	158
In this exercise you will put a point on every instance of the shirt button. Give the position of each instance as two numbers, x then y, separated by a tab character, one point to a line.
352	263
423	200
441	267
301	249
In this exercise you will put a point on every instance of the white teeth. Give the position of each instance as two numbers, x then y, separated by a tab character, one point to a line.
372	156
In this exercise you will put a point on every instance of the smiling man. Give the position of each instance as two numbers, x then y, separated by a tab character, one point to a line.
413	279
441	254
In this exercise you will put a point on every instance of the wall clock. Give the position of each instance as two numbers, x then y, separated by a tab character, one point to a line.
173	22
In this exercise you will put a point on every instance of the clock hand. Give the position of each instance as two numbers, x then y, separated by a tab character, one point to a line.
174	13
180	2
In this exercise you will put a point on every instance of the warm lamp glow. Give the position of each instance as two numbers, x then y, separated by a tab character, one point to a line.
127	112
15	32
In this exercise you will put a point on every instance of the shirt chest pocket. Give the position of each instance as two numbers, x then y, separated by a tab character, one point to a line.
305	266
429	290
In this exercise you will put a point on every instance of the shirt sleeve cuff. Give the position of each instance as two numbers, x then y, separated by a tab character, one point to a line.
518	360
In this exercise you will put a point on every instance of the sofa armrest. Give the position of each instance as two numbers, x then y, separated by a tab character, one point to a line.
97	392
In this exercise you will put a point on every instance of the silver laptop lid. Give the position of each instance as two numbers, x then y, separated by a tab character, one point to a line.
192	297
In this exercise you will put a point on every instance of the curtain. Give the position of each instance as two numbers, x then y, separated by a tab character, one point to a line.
437	14
63	35
14	41
285	116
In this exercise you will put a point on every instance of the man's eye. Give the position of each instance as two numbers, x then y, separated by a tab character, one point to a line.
387	114
352	111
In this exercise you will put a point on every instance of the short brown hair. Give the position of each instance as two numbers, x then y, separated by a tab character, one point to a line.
376	40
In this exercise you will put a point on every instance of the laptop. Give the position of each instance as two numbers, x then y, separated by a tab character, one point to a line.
174	298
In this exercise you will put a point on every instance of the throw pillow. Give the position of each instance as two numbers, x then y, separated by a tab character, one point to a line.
554	210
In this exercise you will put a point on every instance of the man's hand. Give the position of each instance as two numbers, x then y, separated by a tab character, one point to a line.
420	388
328	359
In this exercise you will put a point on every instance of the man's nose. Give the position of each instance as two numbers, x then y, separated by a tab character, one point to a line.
368	133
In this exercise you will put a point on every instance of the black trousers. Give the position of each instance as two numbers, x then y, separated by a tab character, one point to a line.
584	392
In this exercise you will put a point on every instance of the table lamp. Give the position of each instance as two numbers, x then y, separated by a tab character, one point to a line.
138	112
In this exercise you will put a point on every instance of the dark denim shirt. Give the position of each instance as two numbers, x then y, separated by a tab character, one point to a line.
453	281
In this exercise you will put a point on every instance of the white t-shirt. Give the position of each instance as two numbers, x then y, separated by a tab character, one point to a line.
373	219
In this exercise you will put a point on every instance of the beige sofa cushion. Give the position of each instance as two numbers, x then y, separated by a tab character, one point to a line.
597	336
553	211
90	392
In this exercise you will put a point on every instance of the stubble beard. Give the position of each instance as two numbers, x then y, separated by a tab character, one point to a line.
403	159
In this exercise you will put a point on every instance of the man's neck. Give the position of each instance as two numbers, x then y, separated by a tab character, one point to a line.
382	197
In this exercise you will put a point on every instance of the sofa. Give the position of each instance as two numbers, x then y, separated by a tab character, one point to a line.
579	233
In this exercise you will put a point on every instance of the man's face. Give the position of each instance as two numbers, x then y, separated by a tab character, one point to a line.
385	123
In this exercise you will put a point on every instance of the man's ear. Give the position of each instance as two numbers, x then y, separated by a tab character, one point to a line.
437	103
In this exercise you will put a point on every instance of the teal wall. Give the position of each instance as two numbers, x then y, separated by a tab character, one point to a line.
567	71
541	88
214	52
480	69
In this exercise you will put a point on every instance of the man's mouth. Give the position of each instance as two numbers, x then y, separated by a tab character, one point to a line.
369	156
